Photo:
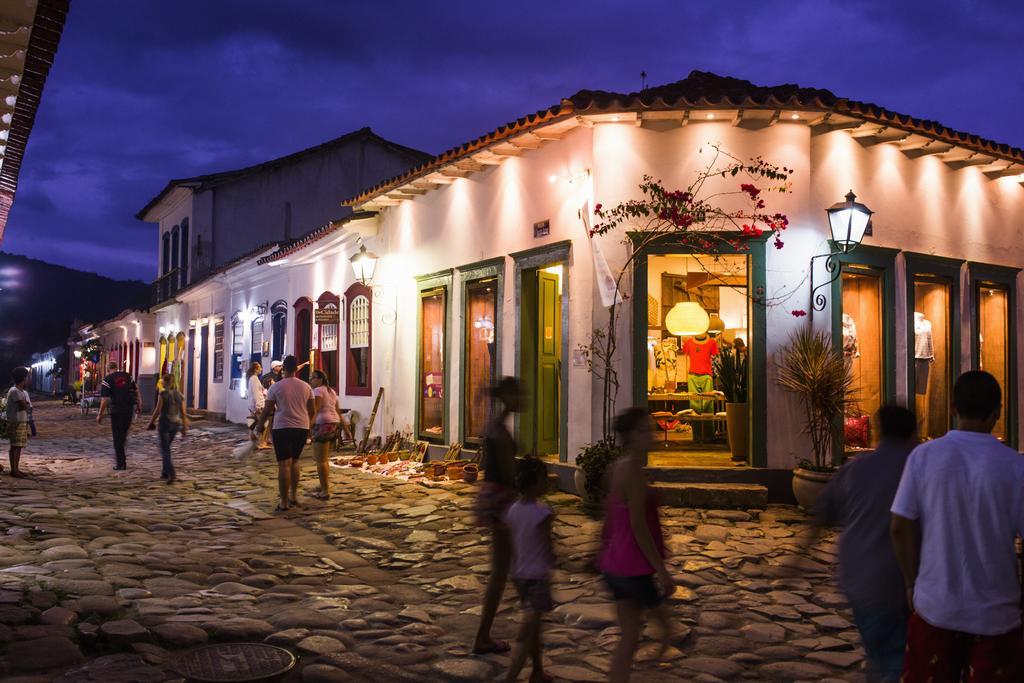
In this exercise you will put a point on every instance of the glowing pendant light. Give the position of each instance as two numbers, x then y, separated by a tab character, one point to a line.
687	319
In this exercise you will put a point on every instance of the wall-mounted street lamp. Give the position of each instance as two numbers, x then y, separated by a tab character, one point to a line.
364	263
848	222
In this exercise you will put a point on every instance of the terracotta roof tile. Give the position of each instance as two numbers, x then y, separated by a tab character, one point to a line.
323	231
701	89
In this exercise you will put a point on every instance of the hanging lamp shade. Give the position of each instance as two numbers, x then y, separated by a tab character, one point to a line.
848	221
687	319
716	326
364	263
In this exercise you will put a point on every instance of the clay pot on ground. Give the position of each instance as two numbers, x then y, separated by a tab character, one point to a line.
470	473
808	485
455	471
736	429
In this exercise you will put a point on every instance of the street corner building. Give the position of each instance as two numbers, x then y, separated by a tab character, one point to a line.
443	273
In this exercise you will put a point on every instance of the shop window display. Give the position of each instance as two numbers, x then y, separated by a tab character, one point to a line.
931	356
432	376
697	308
993	341
481	307
862	348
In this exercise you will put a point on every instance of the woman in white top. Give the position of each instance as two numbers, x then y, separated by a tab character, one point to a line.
257	399
325	428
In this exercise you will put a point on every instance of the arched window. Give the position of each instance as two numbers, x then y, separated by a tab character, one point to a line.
174	259
278	328
256	348
183	279
166	253
303	333
328	322
358	336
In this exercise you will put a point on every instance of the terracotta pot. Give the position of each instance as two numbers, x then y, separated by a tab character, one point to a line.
356	462
394	456
455	471
439	469
808	485
736	425
371	459
470	473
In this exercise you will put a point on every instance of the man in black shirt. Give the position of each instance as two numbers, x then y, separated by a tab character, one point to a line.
120	396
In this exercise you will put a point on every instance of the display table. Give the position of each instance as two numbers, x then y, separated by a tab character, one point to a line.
671	400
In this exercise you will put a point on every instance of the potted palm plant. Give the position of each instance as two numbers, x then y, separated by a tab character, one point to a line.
731	370
820	377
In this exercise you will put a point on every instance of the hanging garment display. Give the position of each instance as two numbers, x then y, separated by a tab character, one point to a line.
924	353
666	354
700	351
851	349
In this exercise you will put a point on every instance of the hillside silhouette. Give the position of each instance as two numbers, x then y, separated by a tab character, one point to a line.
39	301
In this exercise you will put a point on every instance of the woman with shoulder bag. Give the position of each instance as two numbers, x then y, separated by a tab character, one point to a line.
169	417
325	428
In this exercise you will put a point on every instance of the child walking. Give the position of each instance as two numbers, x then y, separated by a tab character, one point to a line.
169	417
529	524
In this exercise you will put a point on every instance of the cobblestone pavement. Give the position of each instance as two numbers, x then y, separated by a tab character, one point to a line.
107	576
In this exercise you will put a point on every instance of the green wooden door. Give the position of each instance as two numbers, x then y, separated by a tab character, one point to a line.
549	349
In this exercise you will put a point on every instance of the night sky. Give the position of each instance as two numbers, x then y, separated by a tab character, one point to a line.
142	92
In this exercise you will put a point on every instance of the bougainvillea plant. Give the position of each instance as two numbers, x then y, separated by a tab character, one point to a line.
708	217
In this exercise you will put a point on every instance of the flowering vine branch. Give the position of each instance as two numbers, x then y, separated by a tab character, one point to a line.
696	222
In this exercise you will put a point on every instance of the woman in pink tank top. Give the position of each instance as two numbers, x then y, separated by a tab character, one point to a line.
632	555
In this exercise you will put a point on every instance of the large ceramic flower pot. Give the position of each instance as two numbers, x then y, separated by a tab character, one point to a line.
580	480
736	429
808	485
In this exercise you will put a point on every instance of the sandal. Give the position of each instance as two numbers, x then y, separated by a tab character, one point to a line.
19	475
320	495
280	509
495	647
294	503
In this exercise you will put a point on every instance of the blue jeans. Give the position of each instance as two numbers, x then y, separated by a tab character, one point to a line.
166	434
883	632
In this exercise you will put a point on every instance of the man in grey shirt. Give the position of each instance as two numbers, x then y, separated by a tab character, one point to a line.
859	498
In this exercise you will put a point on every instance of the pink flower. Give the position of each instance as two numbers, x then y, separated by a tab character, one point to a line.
778	243
750	189
597	208
798	313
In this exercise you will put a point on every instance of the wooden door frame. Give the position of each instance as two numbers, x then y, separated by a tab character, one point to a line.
1002	277
427	283
468	274
757	333
557	253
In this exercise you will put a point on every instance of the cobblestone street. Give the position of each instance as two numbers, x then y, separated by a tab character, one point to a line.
107	576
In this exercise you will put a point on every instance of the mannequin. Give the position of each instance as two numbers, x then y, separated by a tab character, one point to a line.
700	350
924	353
851	347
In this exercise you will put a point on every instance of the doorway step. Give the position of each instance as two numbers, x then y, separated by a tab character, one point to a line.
712	496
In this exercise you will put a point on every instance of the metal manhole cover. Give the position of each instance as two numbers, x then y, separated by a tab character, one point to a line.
234	662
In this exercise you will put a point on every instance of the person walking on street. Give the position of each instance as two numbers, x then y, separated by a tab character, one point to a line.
325	429
955	520
257	398
632	556
533	558
17	419
169	417
291	402
496	495
119	395
858	498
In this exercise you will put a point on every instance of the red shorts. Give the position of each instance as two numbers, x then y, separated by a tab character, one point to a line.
938	655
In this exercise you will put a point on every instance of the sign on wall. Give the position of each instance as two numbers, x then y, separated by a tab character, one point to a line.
330	315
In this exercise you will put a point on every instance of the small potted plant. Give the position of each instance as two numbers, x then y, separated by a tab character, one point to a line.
731	370
820	377
592	463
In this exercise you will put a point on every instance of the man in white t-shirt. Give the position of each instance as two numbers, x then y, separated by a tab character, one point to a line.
955	518
291	402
